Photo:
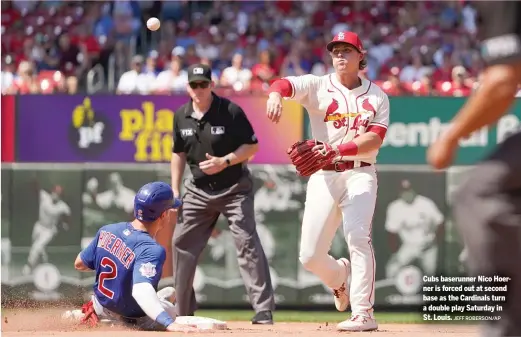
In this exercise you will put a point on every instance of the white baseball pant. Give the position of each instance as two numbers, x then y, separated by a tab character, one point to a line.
142	323
408	253
41	237
349	198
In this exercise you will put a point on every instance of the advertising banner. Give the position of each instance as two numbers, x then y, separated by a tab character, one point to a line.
8	128
133	128
416	122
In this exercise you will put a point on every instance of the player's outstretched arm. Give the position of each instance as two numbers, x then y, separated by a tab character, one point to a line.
491	101
146	297
146	276
291	87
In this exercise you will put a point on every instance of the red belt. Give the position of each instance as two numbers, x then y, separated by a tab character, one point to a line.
341	166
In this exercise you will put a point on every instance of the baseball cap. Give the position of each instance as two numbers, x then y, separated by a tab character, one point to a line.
346	37
178	51
138	59
199	72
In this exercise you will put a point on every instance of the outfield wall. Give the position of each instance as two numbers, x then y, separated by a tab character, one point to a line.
93	146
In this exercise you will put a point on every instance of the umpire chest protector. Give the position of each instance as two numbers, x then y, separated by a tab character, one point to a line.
220	131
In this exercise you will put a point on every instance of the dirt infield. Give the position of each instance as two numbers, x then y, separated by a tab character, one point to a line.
21	323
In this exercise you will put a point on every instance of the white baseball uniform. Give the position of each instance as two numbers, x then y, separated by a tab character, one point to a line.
337	116
416	224
122	199
46	226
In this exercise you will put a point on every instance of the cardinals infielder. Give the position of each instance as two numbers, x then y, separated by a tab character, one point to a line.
350	114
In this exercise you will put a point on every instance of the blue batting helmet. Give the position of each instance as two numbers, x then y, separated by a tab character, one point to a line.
152	200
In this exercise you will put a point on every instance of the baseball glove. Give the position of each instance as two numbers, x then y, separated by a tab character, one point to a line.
308	160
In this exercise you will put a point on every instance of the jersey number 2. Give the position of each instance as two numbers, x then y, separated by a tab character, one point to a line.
110	274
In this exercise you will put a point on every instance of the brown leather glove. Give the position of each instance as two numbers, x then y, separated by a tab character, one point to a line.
310	156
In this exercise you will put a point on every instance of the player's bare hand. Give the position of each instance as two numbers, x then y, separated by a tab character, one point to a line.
325	148
176	327
212	165
274	107
441	153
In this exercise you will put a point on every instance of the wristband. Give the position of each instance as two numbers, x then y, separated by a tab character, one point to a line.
164	319
348	149
282	86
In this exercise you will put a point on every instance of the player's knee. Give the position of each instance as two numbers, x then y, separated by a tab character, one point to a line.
309	261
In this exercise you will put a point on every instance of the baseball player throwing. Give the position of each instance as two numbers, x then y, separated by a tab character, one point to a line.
349	118
128	264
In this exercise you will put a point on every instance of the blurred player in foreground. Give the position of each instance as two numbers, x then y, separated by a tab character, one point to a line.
128	264
487	208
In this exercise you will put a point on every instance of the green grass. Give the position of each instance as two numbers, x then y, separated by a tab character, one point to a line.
310	316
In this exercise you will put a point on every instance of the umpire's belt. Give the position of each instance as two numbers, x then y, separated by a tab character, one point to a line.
214	185
341	166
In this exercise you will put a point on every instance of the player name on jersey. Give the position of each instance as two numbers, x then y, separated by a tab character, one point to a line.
115	246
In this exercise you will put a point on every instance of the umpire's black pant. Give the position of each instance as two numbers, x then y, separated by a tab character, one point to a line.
199	213
488	215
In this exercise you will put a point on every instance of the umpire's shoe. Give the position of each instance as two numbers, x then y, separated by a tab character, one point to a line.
262	317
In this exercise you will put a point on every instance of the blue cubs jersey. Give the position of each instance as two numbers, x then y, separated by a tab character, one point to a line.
123	256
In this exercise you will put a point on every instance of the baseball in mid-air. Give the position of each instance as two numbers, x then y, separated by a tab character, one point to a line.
153	24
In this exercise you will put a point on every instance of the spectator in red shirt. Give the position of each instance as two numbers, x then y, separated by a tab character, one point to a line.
72	60
86	40
9	14
25	81
424	87
190	55
262	72
393	86
444	73
457	86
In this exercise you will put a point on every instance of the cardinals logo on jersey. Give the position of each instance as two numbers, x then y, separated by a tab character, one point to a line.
362	119
338	119
331	109
368	106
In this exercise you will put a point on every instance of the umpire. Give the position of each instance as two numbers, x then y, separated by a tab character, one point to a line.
215	138
487	208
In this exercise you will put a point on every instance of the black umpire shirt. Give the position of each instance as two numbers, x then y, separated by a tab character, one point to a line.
221	130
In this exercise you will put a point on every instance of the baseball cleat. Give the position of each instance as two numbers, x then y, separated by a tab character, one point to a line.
358	323
341	295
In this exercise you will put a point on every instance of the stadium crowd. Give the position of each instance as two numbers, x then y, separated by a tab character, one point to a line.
413	48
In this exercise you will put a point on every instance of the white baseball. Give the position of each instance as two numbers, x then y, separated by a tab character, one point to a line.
153	24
